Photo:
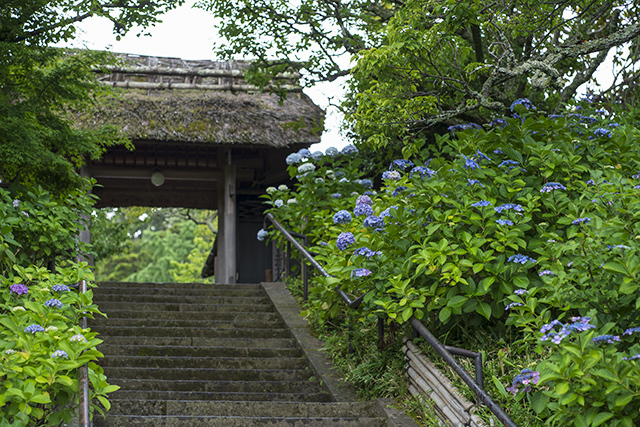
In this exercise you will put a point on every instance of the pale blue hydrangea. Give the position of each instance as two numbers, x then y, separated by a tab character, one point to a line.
319	180
332	152
271	190
317	155
401	164
481	203
579	221
360	272
304	152
16	203
78	338
550	186
364	199
513	304
366	252
54	303
336	195
504	222
60	288
305	168
520	259
349	150
608	339
33	328
509	206
262	234
386	212
293	159
473	182
345	240
278	203
282	187
59	353
547	273
391	175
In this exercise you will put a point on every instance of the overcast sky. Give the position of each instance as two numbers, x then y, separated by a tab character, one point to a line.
188	33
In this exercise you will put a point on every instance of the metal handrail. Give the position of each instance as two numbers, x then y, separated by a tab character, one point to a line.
446	352
83	375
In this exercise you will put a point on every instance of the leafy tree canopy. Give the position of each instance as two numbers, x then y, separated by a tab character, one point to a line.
420	63
40	84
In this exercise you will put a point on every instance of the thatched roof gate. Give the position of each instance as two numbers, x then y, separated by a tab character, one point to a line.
214	141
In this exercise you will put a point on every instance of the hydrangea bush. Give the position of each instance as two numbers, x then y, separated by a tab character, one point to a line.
523	221
41	342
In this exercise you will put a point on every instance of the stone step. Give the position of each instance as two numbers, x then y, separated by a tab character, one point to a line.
206	374
307	386
184	323
191	315
209	362
203	342
241	408
194	351
209	421
135	285
108	331
212	291
223	395
101	299
107	307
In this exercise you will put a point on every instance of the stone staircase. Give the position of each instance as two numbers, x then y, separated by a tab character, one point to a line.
210	355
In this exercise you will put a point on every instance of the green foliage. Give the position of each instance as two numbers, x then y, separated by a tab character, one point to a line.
41	343
41	86
38	226
529	220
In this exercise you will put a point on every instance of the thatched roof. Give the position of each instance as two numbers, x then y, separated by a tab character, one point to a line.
167	99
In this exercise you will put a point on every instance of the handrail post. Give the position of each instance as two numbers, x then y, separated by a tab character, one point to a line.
83	376
305	273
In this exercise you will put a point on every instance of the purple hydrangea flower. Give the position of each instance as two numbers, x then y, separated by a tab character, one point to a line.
526	377
19	289
481	203
262	234
363	209
520	291
473	182
336	195
16	203
398	190
520	259
60	288
636	357
360	272
386	213
33	328
345	240
631	331
602	132
342	217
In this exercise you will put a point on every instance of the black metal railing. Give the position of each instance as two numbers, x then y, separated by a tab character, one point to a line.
446	352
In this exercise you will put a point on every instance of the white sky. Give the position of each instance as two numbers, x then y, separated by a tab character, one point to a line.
188	33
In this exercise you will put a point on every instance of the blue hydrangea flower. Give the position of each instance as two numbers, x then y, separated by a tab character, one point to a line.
401	164
363	210
636	357
525	378
342	217
509	163
336	195
631	331
602	132
373	221
556	116
304	152
262	234
366	252
513	304
16	203
509	206
386	213
59	353
504	222
524	102
455	128
547	273
54	303
345	240
331	152
550	186
349	149
481	203
364	199
398	190
473	182
360	272
317	155
78	338
470	163
498	151
33	328
60	288
391	175
482	156
293	159
609	339
579	221
278	203
520	259
520	291
305	168
613	125
423	171
498	122
366	183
